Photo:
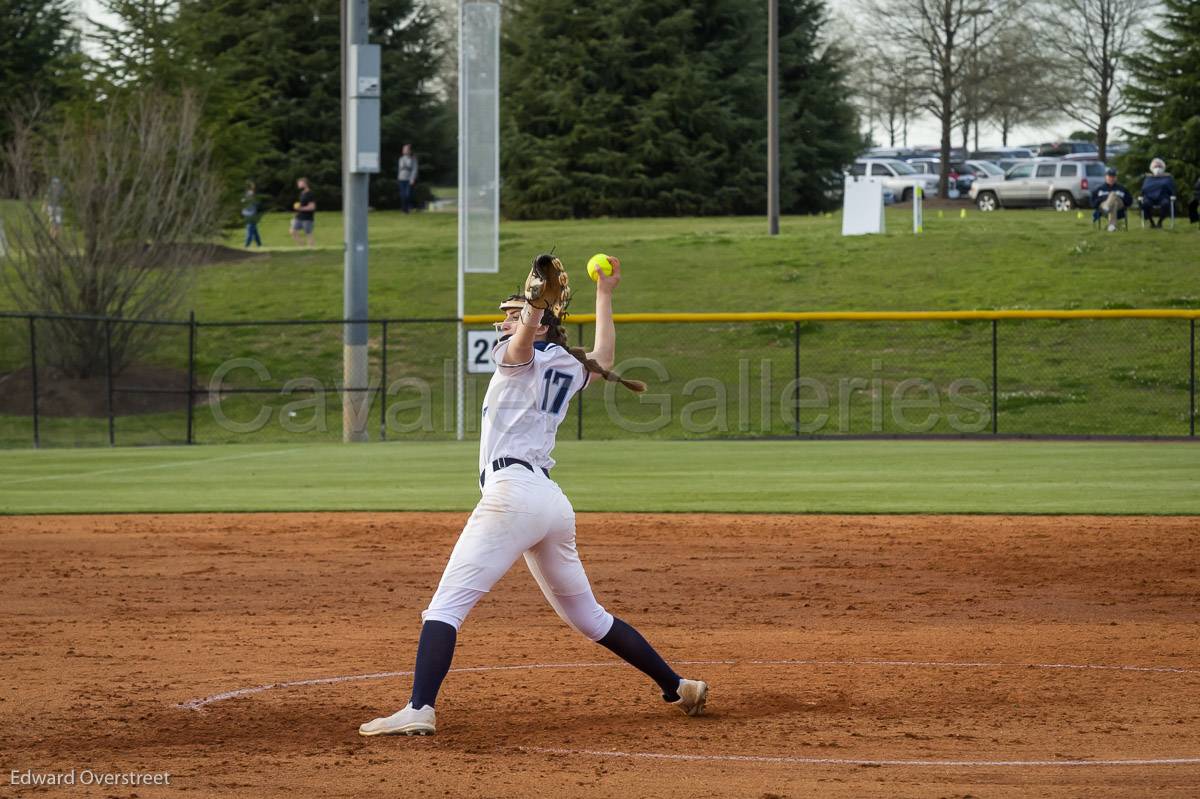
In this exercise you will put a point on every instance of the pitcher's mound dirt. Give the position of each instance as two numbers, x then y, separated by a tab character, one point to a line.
111	622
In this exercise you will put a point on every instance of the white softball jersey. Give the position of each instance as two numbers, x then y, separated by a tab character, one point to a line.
525	404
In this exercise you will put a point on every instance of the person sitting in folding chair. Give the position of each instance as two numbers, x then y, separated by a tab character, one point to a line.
1158	194
1111	198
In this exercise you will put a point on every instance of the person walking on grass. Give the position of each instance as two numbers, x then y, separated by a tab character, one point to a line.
306	211
251	214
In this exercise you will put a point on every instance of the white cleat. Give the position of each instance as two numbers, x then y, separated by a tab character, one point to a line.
1112	228
692	696
408	721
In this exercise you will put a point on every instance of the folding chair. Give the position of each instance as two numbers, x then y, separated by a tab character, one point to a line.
1141	203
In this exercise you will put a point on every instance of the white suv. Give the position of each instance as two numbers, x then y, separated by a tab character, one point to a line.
1064	184
896	175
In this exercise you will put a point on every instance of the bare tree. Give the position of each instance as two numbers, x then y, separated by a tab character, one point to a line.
138	203
1094	39
1018	87
887	95
941	32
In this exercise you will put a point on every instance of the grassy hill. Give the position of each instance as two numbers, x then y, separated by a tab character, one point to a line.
720	379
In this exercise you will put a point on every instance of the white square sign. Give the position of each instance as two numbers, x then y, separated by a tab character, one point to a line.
862	207
479	351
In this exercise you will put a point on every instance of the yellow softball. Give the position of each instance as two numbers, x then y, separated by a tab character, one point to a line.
599	263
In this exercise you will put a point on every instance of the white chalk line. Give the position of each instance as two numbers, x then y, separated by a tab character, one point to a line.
171	465
840	761
201	702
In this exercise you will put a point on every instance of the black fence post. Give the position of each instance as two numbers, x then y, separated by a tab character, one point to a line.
108	383
796	375
995	379
191	386
579	394
33	375
1192	378
383	383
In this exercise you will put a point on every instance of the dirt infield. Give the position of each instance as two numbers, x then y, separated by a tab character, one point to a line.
848	656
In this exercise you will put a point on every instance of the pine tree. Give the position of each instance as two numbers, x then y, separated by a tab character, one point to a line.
818	125
1165	95
658	107
40	63
288	59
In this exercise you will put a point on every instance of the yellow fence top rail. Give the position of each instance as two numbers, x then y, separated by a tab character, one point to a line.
866	316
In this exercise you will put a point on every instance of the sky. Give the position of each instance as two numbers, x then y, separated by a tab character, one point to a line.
922	131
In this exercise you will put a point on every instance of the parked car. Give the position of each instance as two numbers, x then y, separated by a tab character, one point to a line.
835	192
896	175
964	172
956	153
891	152
998	153
1006	164
983	168
959	174
1061	148
1058	182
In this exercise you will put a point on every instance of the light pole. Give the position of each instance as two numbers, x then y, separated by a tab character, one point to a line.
360	159
773	117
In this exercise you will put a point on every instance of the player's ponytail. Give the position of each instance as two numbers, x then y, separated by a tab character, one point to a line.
556	335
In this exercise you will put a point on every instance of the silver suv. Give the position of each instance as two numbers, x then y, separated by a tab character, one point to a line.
897	176
1064	184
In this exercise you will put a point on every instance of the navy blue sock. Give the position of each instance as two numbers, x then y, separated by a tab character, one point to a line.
629	645
434	653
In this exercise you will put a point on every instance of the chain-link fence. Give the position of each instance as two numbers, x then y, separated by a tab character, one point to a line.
200	381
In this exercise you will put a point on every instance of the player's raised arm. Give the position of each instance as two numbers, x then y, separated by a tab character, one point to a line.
546	289
604	351
520	346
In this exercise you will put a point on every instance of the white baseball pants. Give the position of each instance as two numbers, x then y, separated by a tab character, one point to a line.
521	512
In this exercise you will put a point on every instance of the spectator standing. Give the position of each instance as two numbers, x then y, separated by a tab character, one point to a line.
1194	205
251	213
1158	190
1111	198
306	210
406	177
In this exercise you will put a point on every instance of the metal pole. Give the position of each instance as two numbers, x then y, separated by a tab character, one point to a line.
995	382
108	383
191	390
355	197
1192	380
579	402
773	117
33	374
796	365
383	384
459	356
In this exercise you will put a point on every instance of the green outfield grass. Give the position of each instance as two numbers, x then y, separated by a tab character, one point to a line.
750	476
1055	377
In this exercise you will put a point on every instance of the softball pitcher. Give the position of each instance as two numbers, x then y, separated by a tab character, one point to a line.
522	510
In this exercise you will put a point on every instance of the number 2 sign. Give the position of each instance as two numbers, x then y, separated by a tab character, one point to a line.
479	351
